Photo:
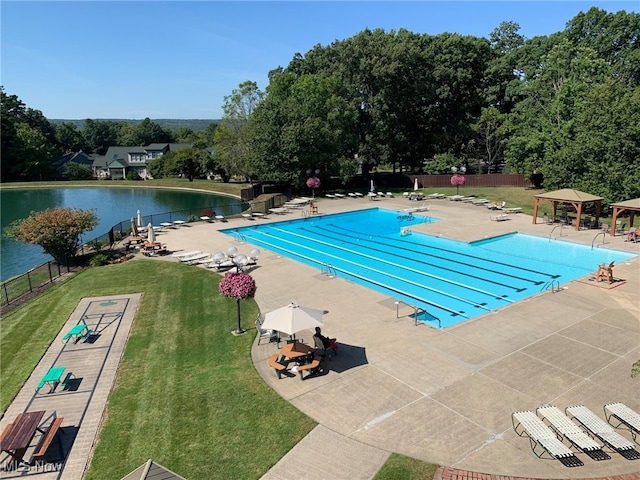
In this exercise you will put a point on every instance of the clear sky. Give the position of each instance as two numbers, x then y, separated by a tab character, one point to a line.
179	59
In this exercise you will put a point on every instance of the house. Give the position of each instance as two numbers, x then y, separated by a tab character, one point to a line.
78	157
119	161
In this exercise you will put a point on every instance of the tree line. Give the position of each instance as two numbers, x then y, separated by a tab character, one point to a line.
566	106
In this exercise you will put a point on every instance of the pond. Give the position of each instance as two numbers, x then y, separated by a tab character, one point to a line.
112	204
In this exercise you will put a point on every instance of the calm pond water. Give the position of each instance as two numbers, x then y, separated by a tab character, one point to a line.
112	205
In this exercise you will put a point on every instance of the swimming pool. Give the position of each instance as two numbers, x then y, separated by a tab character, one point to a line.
447	280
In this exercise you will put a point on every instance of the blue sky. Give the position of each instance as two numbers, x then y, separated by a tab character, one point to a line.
131	60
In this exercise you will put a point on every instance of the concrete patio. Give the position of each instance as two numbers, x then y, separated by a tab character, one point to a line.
445	396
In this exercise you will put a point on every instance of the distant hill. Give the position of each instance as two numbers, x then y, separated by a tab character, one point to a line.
167	123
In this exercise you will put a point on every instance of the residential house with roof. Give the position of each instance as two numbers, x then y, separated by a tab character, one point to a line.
80	157
119	161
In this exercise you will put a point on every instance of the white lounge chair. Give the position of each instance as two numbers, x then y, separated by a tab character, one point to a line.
186	254
527	423
624	417
572	432
499	218
194	258
603	431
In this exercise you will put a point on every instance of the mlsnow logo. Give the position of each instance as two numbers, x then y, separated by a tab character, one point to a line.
37	468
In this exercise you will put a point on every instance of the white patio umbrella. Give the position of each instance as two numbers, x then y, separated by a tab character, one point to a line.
292	319
151	234
415	184
140	224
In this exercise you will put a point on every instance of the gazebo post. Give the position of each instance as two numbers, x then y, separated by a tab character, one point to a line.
578	208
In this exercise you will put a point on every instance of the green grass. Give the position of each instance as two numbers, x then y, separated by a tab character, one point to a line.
187	394
399	467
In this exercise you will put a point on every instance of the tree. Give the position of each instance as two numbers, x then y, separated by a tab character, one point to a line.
188	162
233	150
238	285
56	230
28	141
77	171
69	138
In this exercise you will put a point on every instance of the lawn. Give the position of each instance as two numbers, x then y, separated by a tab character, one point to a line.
211	416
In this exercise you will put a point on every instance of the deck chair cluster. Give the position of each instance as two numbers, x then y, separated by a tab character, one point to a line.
548	428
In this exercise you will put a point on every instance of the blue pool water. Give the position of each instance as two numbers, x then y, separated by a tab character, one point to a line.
450	281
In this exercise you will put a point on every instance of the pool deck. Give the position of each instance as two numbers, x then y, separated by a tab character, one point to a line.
445	396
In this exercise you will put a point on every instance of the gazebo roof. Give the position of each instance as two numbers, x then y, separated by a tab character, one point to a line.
633	204
569	195
151	469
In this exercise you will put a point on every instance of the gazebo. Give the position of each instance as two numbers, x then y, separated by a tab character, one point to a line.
575	198
632	206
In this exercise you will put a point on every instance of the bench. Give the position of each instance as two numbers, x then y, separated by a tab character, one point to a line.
65	383
6	430
279	367
311	367
47	438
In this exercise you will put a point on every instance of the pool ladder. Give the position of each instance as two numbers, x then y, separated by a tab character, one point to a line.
554	229
604	237
416	312
553	285
239	237
328	270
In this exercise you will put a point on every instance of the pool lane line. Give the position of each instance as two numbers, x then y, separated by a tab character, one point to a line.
537	272
432	289
403	267
367	280
475	267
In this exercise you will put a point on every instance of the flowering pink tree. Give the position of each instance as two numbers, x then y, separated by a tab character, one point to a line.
313	183
457	180
238	285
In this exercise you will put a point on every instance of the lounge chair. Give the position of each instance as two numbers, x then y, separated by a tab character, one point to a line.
186	254
193	258
624	417
499	218
528	424
572	432
603	431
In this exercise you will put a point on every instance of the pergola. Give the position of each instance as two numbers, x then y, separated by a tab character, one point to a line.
632	206
571	197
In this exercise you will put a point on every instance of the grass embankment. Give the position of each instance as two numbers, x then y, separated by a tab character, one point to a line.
186	394
231	188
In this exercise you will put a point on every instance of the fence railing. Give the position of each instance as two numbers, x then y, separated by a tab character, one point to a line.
43	274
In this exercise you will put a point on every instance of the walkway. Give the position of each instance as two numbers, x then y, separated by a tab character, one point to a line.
94	364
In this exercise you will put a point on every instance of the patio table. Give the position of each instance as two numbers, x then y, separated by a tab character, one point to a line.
18	438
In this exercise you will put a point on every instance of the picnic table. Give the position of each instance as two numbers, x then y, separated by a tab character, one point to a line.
17	436
79	331
52	378
294	350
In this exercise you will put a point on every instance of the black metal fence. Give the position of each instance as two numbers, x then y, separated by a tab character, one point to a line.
46	273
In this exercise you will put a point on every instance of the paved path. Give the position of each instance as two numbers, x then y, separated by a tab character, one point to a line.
94	364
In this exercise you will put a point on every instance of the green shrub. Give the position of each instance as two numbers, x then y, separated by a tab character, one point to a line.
102	258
